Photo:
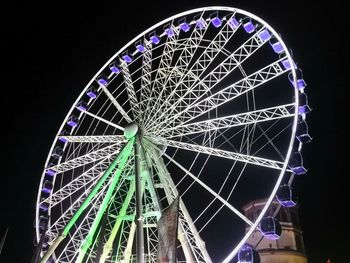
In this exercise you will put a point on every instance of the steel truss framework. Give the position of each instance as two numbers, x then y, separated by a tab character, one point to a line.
201	102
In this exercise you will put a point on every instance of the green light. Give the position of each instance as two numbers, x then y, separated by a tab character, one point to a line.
126	151
124	154
109	244
89	239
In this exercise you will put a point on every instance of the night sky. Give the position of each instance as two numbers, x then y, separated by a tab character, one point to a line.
52	51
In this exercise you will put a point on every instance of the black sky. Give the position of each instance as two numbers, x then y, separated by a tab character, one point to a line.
52	51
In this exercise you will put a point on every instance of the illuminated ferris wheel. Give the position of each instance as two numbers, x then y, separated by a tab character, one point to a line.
207	105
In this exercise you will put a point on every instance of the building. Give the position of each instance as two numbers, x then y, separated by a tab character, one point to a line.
289	248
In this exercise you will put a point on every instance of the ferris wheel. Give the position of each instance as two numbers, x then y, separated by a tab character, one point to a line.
208	106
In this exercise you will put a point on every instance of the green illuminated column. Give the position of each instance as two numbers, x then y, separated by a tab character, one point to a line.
104	204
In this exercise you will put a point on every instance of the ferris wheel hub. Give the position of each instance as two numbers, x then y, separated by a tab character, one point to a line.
131	130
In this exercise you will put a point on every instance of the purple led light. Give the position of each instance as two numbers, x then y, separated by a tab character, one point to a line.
73	121
102	82
233	23
249	27
82	107
44	207
216	22
287	65
285	196
301	84
277	47
184	27
140	48
201	23
299	170
91	94
47	188
50	172
114	68
127	58
57	152
169	31
63	139
288	203
270	228
155	40
304	109
245	254
264	35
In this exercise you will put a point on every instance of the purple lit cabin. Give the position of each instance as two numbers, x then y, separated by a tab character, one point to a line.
57	152
270	228
247	254
73	121
184	27
249	27
233	23
300	85
287	64
82	105
44	206
46	244
50	172
42	222
296	163
62	137
47	187
285	196
276	46
264	35
141	48
201	24
113	67
303	105
169	31
102	80
92	92
303	132
127	58
154	39
216	21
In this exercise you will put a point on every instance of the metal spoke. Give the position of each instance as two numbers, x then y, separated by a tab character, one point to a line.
78	183
206	187
247	118
116	104
87	158
146	79
94	139
161	77
104	120
221	153
131	91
